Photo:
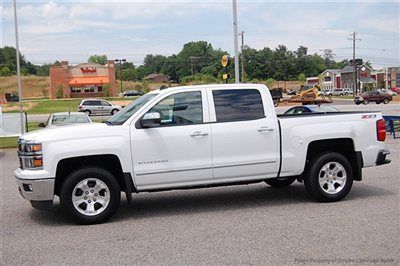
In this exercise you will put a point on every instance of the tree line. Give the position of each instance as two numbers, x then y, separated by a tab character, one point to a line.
200	61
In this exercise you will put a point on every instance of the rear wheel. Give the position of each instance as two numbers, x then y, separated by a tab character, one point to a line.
114	111
280	181
378	102
386	101
329	177
88	112
365	101
90	195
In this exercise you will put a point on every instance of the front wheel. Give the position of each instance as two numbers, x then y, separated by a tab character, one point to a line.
329	177
280	181
114	111
365	101
90	195
386	101
378	102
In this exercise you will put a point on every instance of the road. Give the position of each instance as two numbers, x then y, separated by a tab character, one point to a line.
253	224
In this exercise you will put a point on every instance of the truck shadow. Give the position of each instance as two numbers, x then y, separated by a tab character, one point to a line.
186	202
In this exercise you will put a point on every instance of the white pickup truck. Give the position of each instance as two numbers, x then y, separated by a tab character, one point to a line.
194	137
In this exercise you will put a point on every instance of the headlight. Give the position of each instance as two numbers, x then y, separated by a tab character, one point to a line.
30	155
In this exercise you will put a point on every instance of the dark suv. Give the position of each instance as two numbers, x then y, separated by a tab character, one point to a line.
373	96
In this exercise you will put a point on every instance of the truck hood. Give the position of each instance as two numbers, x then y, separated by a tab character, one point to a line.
69	132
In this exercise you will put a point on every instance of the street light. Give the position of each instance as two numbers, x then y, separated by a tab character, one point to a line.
120	69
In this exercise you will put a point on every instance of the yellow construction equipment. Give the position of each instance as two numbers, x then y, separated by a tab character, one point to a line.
311	96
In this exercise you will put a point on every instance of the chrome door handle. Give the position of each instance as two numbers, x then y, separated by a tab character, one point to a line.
199	134
265	129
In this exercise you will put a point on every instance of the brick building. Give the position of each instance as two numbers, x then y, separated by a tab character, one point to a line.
157	78
393	77
83	80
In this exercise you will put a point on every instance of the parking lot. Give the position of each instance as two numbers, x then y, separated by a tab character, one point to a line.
253	224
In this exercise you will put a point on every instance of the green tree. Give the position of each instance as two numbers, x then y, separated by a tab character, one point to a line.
99	59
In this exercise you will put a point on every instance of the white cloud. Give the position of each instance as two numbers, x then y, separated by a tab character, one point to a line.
386	25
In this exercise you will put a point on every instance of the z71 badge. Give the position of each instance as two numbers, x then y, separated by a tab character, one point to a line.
368	116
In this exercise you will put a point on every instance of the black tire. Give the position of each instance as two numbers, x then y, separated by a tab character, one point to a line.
280	182
114	111
312	178
358	103
365	101
276	103
88	112
87	173
386	101
378	102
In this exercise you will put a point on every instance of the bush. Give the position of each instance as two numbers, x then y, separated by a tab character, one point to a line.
270	83
45	92
106	90
139	87
200	78
60	92
145	87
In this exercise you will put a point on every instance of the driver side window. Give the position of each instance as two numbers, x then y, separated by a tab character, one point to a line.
180	109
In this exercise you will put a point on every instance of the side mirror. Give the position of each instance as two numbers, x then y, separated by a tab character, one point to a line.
41	125
150	120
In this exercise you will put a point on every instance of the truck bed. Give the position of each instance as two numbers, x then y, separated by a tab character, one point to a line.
298	131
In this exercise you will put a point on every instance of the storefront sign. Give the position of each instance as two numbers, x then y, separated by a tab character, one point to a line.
88	70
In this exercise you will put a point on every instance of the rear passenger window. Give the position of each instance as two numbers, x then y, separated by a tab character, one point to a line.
238	105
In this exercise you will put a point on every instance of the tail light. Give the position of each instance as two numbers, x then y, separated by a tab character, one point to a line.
80	107
381	129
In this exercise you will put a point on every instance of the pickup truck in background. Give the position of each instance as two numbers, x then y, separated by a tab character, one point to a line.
195	137
373	96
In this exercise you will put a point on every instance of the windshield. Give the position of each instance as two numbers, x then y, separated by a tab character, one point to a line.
69	119
129	110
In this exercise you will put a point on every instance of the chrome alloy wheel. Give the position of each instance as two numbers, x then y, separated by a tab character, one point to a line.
332	177
91	196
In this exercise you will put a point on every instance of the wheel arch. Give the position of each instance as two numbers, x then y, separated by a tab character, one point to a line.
109	162
343	146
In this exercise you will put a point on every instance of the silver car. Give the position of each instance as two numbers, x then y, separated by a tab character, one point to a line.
66	118
98	107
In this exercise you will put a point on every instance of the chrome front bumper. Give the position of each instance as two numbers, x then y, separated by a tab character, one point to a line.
36	189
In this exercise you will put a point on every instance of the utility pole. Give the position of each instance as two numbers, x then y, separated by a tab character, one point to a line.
242	53
353	38
18	70
120	69
192	62
235	41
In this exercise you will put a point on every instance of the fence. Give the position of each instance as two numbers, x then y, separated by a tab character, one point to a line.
10	124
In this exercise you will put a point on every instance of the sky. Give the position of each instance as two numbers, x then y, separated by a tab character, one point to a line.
74	30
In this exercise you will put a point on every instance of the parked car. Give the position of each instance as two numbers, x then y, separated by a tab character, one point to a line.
373	96
342	91
327	92
388	92
303	109
132	93
98	106
66	118
396	90
9	97
196	137
348	91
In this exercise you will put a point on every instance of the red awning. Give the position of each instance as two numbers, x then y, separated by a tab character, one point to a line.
89	80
